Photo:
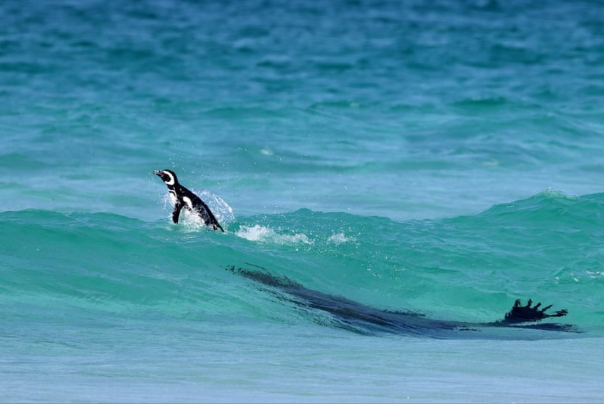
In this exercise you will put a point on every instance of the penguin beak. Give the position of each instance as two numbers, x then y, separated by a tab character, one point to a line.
157	172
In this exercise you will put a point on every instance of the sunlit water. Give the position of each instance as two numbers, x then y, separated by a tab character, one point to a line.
440	157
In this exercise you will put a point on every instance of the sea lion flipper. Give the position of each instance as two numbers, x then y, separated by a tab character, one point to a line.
523	314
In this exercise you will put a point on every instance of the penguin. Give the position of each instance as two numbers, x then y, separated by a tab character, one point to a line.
187	199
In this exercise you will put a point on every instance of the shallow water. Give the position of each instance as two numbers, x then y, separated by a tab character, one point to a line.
439	157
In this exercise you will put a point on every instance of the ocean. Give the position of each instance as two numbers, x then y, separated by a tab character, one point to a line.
439	157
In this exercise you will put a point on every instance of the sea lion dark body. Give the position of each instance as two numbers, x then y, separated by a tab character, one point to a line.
365	319
187	199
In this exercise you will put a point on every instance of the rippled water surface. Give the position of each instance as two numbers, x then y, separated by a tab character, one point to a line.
439	157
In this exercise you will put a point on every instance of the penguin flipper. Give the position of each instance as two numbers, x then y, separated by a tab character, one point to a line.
213	221
176	212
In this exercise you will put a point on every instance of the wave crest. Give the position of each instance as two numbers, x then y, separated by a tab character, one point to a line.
266	234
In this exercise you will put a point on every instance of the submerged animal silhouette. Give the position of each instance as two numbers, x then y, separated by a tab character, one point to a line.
364	319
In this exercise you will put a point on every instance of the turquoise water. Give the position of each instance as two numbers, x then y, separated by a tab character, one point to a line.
440	157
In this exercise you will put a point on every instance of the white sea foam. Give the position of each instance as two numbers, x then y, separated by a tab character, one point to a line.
266	234
267	152
221	209
339	238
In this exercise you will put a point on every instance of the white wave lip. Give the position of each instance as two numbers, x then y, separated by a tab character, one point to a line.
339	238
266	234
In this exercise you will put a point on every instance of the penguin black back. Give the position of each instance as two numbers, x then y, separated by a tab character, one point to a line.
187	199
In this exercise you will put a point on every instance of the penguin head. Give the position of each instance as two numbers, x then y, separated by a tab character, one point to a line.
167	176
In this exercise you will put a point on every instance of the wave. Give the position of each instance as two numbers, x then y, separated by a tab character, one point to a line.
466	268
